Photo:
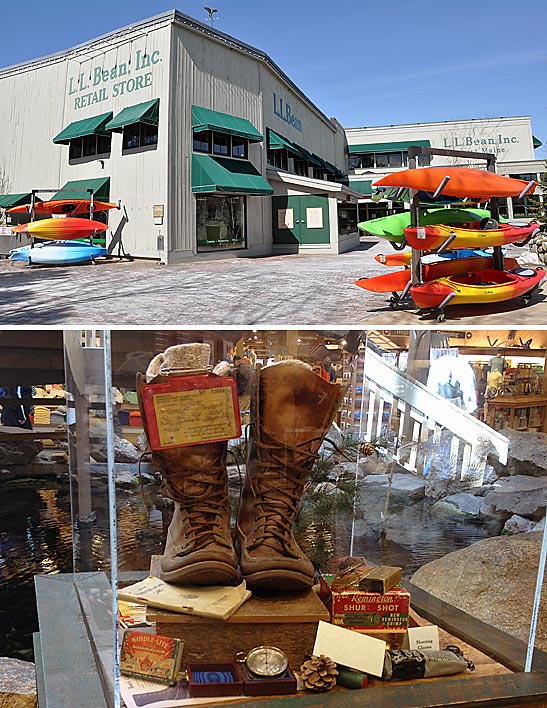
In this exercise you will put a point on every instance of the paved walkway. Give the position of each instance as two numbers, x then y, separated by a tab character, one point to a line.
279	291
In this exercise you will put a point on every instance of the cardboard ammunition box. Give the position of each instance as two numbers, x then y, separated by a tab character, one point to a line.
369	612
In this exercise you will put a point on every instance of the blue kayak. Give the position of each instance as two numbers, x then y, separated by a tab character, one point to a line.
58	253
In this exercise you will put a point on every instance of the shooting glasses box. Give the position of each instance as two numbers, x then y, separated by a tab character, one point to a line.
288	621
384	616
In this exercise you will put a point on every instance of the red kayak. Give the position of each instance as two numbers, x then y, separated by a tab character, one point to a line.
397	281
461	182
429	238
482	286
64	206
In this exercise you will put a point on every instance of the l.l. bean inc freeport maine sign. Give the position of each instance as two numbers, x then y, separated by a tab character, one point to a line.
493	143
102	83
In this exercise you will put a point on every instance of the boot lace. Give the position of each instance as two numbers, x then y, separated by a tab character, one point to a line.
204	500
278	487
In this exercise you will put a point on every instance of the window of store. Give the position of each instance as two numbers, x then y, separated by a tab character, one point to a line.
138	135
89	146
301	167
383	160
279	159
202	141
220	223
318	172
221	144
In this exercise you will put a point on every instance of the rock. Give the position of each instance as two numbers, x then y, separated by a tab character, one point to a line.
527	454
405	488
17	677
522	494
464	506
124	451
493	580
518	524
6	475
19	453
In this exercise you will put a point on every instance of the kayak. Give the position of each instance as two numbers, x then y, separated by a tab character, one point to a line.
393	227
398	280
429	238
64	206
405	257
58	253
462	182
481	286
61	229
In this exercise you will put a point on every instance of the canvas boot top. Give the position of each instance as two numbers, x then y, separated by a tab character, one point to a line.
292	410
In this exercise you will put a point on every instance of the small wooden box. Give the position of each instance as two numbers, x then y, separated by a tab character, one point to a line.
214	688
283	685
286	620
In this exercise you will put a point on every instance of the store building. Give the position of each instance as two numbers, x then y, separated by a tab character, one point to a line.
208	145
376	152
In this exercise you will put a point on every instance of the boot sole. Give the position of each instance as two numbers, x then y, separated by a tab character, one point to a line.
205	573
284	580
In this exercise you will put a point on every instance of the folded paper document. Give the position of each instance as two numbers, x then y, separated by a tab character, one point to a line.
215	601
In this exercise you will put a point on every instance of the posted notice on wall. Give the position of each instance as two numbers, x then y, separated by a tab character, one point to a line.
285	218
314	217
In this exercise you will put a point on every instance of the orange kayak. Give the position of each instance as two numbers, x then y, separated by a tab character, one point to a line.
429	238
61	229
482	286
64	206
397	281
463	182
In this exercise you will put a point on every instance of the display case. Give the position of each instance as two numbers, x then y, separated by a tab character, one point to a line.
155	448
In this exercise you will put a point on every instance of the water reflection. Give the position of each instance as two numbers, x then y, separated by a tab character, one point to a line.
36	537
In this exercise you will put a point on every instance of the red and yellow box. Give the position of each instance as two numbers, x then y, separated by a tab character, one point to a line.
151	656
366	611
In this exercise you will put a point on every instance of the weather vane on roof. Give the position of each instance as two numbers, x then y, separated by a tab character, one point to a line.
211	12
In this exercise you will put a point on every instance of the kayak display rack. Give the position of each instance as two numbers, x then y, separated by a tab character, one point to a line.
416	276
87	195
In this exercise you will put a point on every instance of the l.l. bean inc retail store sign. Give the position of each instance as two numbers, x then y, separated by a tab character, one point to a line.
102	83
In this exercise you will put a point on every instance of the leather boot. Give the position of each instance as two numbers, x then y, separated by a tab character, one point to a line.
199	548
291	411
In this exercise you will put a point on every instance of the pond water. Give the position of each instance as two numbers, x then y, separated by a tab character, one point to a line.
36	537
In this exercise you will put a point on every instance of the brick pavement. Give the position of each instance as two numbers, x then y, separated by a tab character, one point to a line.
275	291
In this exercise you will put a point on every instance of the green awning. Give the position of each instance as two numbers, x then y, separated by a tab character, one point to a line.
205	119
332	168
147	112
311	157
386	147
361	185
79	189
220	174
537	142
278	142
81	128
7	201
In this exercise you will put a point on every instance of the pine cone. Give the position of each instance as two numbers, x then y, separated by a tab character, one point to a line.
367	449
319	673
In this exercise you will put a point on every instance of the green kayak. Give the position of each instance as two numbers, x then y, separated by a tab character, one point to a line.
393	227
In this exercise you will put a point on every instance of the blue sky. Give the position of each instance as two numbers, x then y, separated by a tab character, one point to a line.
366	63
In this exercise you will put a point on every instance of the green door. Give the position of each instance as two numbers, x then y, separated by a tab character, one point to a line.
301	219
